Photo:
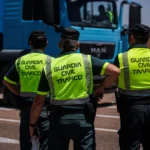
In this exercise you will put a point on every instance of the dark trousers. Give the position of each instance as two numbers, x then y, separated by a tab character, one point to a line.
43	125
63	128
94	102
135	127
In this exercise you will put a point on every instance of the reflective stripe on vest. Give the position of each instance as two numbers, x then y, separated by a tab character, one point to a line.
18	65
68	80
126	70
29	82
49	79
88	71
134	92
135	70
80	101
28	94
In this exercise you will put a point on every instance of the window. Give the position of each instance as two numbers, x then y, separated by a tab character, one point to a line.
92	13
32	10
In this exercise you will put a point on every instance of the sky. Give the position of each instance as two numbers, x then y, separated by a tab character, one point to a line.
145	11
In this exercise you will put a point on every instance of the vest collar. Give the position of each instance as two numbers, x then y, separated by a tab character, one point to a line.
138	46
66	53
36	51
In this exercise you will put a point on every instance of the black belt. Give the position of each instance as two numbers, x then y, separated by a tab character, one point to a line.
64	111
141	102
130	101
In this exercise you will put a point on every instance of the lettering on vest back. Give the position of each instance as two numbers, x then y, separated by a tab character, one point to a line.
68	66
31	62
143	65
68	72
29	67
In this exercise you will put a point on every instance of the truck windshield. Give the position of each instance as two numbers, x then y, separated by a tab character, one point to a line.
92	13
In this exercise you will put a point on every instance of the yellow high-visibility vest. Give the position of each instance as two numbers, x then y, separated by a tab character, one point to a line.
29	68
70	79
134	78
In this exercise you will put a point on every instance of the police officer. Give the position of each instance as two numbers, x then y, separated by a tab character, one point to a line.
69	78
103	15
134	91
26	71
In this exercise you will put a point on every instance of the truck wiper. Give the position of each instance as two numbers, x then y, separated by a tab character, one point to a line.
83	24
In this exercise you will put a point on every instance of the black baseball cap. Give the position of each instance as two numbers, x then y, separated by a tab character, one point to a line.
70	33
140	31
38	39
37	35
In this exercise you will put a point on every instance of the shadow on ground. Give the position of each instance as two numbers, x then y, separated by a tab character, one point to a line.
106	104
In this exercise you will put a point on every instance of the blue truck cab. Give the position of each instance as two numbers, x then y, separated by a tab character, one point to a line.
1	24
100	26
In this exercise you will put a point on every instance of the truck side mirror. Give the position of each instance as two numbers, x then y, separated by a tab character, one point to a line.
51	12
134	14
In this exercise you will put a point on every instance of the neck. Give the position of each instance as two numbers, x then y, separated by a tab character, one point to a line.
40	49
68	50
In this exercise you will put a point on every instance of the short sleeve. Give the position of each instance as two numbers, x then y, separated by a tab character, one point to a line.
12	75
116	62
98	66
43	88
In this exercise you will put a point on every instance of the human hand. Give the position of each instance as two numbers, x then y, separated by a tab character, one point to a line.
31	130
98	92
98	99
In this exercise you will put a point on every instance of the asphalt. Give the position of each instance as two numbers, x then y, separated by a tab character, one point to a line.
106	125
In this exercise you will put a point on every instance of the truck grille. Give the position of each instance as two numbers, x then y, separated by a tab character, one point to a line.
102	50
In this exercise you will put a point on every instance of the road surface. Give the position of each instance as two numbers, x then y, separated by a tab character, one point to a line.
106	125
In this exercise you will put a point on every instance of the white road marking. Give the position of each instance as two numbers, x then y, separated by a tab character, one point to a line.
108	130
8	109
107	116
3	108
1	96
9	120
113	107
97	129
9	141
104	116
